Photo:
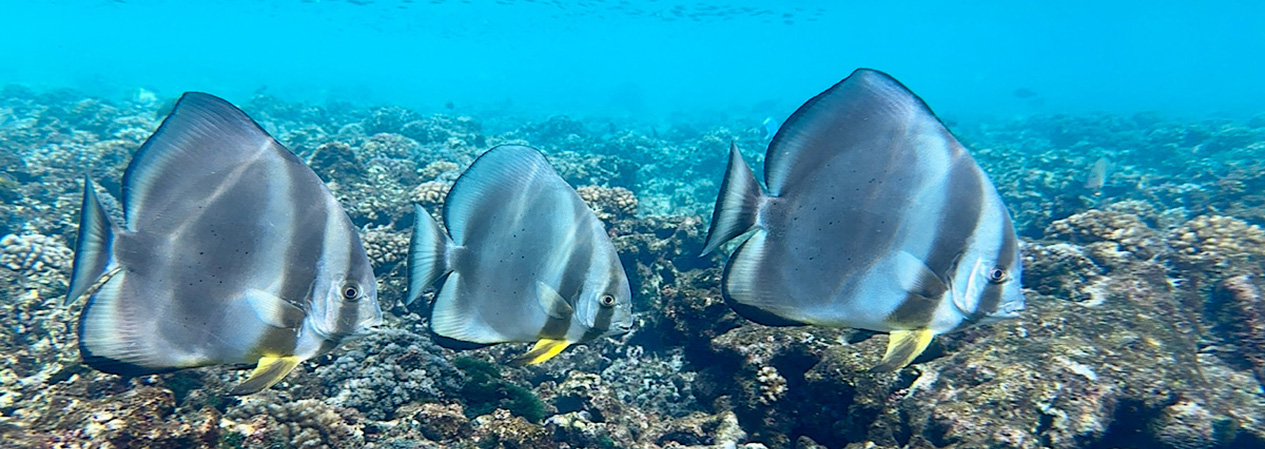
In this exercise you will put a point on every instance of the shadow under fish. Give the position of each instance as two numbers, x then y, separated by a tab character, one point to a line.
524	260
232	252
873	216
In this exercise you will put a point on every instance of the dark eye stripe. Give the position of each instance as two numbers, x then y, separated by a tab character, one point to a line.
601	323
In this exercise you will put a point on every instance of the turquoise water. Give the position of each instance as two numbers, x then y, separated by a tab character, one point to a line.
651	58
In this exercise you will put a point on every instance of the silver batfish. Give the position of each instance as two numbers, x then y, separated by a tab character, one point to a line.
233	252
527	260
874	217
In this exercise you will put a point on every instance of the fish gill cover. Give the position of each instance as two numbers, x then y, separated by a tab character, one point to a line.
1125	141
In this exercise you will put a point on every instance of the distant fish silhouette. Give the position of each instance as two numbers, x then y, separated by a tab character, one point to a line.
1098	174
450	105
770	127
1024	93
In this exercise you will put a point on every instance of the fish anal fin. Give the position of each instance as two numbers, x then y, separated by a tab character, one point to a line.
903	346
271	369
94	248
274	311
545	349
738	204
762	316
455	318
552	302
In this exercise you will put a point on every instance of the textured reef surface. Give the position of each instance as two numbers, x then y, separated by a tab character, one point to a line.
1145	324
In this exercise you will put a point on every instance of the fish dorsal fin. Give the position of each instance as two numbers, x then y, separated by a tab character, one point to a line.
552	302
201	143
544	349
271	369
903	346
497	178
867	111
94	249
917	278
738	204
274	311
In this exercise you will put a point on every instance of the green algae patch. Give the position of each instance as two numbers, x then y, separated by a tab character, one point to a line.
485	391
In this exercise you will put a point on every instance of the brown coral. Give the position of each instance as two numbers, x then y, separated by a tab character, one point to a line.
1128	232
1243	314
434	169
430	194
384	247
1218	244
609	203
267	420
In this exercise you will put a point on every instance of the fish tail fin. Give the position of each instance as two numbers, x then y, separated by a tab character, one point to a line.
545	349
428	254
94	248
738	203
271	369
903	346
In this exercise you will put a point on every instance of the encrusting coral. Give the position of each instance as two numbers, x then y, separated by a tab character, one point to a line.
1144	323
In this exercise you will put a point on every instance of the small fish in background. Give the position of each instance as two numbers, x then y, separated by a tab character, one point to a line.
874	217
450	105
527	261
233	252
1024	93
1098	174
770	127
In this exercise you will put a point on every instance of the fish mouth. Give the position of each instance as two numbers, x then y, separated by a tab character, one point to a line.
1009	312
621	330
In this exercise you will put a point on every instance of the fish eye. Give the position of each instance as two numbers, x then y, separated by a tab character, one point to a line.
997	275
607	300
350	292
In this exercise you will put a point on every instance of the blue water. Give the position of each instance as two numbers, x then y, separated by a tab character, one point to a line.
652	58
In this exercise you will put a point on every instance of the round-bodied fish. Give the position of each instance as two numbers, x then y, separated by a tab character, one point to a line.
526	260
873	216
232	252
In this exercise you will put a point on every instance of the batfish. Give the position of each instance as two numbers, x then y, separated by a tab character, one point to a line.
526	260
873	216
232	252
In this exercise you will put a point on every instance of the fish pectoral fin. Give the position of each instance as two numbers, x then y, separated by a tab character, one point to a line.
545	349
552	302
917	278
903	346
273	310
271	369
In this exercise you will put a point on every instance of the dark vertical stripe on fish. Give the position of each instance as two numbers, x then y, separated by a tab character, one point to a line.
991	295
601	324
959	214
306	240
556	328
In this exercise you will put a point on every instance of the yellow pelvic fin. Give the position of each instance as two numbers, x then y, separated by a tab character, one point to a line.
271	369
903	346
545	349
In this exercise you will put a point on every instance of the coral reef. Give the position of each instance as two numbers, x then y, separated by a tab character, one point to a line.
266	420
1145	324
610	204
36	257
431	194
387	370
